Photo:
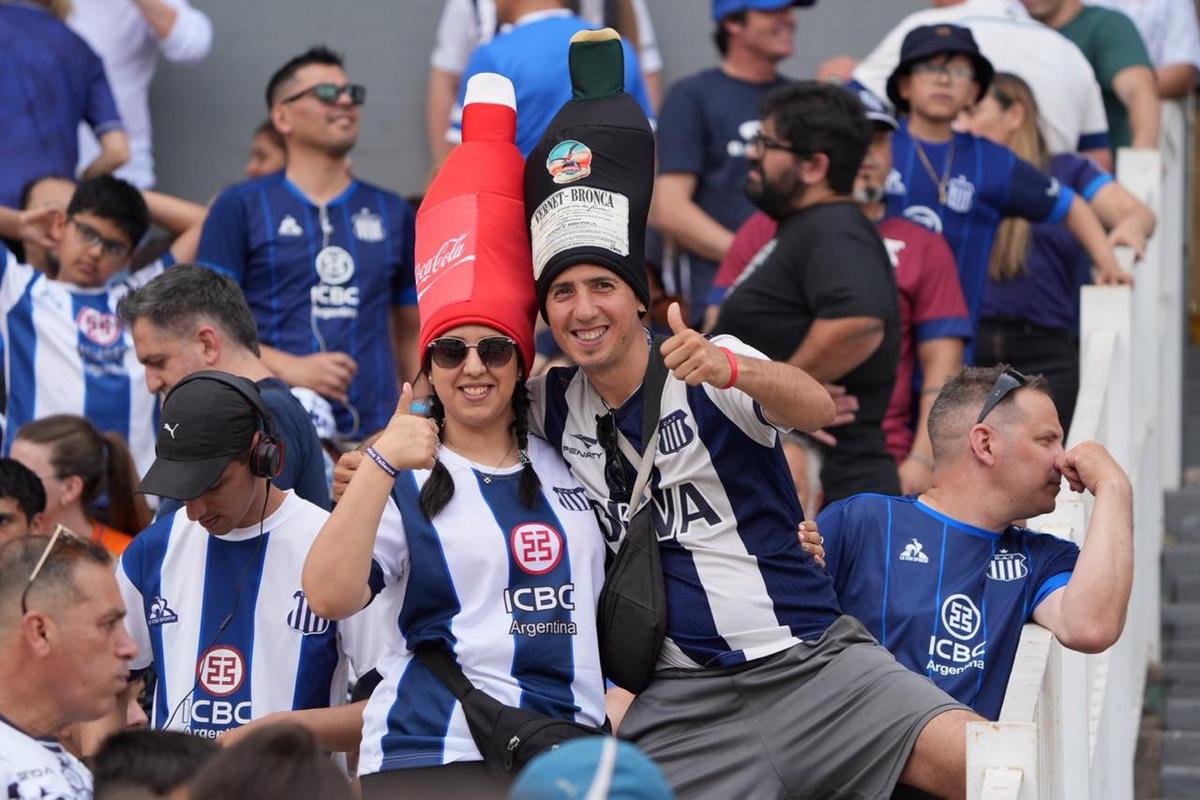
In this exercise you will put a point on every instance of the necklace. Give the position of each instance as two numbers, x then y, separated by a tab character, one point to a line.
487	477
940	183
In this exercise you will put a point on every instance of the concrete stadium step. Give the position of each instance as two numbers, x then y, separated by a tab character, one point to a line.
1181	649
1180	782
1181	620
1184	588
1182	678
1181	747
1181	562
1181	515
1183	714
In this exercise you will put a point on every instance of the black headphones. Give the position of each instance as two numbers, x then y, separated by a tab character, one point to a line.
266	455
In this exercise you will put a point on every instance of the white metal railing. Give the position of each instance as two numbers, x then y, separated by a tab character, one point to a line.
1068	727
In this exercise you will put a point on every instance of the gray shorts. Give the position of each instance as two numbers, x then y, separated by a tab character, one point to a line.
836	718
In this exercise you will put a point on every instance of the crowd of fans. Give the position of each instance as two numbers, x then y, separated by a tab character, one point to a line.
296	500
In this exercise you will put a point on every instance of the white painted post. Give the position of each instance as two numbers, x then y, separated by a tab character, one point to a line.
1001	756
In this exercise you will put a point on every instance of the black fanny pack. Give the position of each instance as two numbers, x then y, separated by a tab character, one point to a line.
507	737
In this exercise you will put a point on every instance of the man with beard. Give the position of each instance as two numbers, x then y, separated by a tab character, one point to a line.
971	579
825	297
933	314
325	260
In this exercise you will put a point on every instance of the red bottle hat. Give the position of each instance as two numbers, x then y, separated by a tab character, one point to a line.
473	262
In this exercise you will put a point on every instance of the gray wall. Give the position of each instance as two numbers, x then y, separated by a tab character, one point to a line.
203	115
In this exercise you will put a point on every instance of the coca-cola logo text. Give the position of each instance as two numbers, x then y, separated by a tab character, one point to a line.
448	255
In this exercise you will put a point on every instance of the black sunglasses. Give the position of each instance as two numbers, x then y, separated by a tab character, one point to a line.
494	351
60	532
329	93
1008	381
614	469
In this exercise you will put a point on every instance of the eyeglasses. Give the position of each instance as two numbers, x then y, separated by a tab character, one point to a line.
112	248
955	74
614	468
1008	381
60	532
450	352
330	93
761	142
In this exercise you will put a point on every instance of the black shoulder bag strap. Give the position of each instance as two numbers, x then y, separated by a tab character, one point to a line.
632	614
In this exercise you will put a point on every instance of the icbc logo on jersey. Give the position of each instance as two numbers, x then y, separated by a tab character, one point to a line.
221	670
537	547
98	326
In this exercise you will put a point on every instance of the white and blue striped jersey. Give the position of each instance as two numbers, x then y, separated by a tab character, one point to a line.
225	623
39	767
66	352
511	589
738	584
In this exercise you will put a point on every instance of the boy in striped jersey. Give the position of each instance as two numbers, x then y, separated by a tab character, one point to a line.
65	350
213	590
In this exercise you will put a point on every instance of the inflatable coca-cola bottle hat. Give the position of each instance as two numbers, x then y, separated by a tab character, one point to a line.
472	246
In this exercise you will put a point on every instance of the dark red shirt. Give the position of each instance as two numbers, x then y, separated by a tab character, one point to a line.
931	303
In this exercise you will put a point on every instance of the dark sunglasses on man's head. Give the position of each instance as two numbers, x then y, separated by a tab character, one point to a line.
494	351
1006	383
330	93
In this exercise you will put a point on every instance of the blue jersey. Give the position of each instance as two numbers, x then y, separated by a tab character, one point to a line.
948	599
985	183
706	124
512	590
321	278
739	587
1046	292
226	625
52	82
533	55
66	352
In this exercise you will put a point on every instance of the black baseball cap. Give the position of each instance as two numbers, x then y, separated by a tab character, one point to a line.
204	424
928	41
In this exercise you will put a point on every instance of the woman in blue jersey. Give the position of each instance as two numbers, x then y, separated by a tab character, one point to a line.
476	534
1029	316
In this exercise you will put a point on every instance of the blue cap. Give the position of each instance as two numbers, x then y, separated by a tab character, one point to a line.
723	8
592	768
876	109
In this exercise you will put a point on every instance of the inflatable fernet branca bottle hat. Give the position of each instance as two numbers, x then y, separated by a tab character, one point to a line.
472	243
589	180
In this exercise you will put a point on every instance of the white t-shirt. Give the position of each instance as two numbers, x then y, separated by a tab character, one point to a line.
129	48
1168	27
466	24
35	768
1068	97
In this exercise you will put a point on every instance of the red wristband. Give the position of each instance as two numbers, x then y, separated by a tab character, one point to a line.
733	367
